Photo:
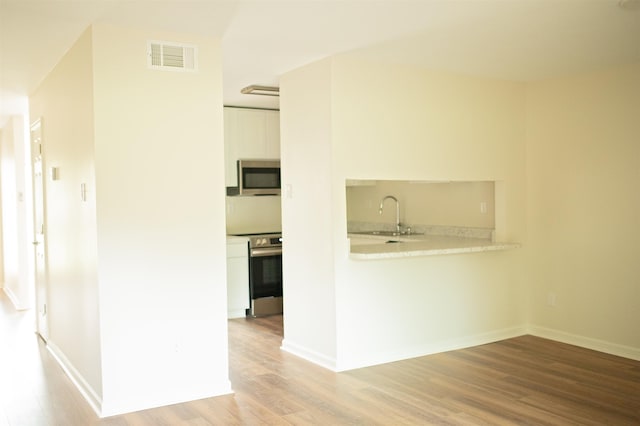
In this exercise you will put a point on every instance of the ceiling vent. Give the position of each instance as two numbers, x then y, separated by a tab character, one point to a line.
172	56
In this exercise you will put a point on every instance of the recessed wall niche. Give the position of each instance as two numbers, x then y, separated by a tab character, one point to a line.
423	203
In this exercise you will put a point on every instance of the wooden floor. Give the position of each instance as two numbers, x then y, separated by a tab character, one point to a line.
526	380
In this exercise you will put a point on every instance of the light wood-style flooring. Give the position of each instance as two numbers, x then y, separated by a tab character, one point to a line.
526	380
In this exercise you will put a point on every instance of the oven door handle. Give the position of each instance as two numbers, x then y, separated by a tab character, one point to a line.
263	252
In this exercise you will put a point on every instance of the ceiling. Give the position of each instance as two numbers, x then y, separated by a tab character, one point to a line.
518	40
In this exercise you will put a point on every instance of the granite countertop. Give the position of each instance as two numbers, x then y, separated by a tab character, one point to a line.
364	246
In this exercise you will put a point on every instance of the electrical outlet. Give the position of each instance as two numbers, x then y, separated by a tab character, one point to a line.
551	299
483	207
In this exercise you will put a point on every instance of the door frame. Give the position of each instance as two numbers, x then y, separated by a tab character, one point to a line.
39	228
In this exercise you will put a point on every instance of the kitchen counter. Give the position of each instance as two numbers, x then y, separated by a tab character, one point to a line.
237	239
367	247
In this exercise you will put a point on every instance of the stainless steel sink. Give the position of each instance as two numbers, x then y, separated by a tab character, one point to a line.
387	233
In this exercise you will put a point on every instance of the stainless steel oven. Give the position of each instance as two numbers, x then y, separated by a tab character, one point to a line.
265	274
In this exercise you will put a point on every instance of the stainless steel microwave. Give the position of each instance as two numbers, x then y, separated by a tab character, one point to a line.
257	177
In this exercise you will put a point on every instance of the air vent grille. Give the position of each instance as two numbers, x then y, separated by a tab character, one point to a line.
172	56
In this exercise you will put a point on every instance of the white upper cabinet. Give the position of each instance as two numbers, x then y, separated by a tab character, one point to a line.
249	134
272	122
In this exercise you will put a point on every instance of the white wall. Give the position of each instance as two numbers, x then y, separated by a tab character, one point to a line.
64	102
137	272
565	159
395	122
308	217
583	170
421	125
16	229
2	279
253	214
161	223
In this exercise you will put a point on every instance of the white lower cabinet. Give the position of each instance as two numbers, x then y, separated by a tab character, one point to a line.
237	277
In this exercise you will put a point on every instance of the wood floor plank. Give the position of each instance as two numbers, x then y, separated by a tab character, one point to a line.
525	380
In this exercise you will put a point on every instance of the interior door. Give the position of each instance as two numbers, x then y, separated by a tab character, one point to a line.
39	230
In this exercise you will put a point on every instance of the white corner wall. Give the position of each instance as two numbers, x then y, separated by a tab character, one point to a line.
64	103
406	123
160	222
566	162
137	273
583	213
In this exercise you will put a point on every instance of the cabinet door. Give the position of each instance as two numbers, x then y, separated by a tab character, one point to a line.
237	287
249	134
230	146
272	133
237	281
252	133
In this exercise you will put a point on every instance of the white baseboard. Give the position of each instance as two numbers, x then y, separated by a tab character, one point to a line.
586	342
119	407
94	400
104	410
431	348
460	343
15	301
382	358
308	354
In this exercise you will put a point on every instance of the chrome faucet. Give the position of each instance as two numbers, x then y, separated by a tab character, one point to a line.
397	210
